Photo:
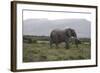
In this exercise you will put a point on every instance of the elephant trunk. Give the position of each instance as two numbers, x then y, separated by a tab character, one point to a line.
76	42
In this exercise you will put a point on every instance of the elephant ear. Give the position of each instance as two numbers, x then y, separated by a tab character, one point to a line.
73	33
68	32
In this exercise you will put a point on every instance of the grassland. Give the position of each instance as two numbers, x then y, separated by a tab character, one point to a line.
35	50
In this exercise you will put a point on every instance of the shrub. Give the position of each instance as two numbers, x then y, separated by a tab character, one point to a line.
34	41
81	57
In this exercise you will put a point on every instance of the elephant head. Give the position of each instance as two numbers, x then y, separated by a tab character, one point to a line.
70	33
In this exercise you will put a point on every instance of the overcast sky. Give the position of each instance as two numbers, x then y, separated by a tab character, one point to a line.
42	23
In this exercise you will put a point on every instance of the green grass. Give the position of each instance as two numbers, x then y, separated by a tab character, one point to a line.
35	52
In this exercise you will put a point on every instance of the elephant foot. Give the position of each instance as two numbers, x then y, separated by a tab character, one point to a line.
67	47
57	47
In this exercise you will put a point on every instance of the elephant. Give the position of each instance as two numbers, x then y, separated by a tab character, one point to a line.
58	36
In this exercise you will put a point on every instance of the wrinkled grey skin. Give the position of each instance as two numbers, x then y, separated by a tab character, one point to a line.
58	36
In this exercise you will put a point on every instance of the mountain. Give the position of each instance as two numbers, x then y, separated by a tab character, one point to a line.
43	27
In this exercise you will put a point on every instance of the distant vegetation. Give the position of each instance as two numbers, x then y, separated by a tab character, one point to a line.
34	39
37	48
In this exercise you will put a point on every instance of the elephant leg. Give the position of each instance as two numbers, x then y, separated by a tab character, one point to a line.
56	45
51	44
76	42
67	44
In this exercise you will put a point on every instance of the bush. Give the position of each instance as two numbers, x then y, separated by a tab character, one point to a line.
29	40
81	57
34	41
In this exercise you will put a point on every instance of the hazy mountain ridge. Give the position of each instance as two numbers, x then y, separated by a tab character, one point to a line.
44	26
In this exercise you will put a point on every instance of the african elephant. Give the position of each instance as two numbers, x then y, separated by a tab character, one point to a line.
58	36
